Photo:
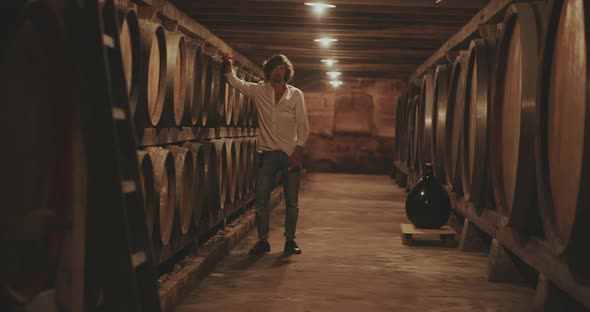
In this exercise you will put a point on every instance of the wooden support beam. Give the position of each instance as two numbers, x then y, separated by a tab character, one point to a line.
465	4
473	238
171	13
502	266
549	298
538	254
487	14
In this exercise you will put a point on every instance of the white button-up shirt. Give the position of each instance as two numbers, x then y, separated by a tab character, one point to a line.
282	126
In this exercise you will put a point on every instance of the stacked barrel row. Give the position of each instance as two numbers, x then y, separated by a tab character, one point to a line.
506	124
185	185
173	82
176	81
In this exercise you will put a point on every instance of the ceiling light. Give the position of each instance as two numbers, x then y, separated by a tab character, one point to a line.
329	62
334	74
325	42
319	8
336	83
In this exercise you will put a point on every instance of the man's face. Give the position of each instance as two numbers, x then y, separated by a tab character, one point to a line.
277	75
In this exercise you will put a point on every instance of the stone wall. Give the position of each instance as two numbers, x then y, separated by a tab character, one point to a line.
353	126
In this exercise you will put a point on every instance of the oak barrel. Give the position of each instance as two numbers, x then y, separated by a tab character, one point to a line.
220	177
199	179
147	111
212	92
231	152
44	155
513	112
425	121
439	146
184	196
165	190
454	121
195	84
476	119
174	101
129	41
146	180
563	120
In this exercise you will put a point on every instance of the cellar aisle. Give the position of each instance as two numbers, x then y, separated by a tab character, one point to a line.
352	260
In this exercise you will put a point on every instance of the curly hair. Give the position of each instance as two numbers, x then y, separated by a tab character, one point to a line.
276	60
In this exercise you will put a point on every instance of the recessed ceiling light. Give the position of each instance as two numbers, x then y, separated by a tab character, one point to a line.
320	5
319	8
336	83
325	42
329	62
334	74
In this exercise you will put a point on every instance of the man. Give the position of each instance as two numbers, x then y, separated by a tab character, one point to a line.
282	133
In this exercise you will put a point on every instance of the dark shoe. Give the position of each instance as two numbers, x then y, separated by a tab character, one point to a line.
261	247
292	248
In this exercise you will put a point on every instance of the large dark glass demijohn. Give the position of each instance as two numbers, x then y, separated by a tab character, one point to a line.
428	205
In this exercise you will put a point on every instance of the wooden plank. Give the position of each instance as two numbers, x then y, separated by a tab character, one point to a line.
171	12
485	15
393	3
407	228
486	219
538	254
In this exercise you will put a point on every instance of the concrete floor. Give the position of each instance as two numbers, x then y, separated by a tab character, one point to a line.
353	260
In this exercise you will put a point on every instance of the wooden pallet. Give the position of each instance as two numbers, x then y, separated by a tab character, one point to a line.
446	235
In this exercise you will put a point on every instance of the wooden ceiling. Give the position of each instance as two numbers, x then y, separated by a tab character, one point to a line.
376	38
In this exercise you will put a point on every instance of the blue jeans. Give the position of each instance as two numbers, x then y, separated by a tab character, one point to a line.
269	164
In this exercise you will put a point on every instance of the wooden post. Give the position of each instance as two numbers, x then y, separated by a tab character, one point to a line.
473	238
501	265
548	297
456	222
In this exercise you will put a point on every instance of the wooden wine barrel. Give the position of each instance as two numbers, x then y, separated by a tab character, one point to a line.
185	185
174	101
195	84
222	182
210	189
425	121
147	111
199	179
224	107
146	180
475	129
513	114
232	158
563	130
229	102
165	190
400	124
411	129
237	170
416	143
212	92
44	156
130	52
454	121
404	129
439	147
200	92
